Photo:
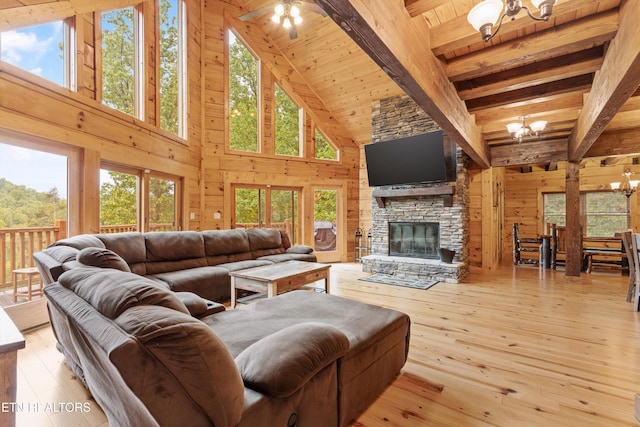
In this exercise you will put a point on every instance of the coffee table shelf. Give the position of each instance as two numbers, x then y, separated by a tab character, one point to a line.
278	278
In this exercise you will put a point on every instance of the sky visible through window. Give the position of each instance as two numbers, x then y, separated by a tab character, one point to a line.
34	169
35	49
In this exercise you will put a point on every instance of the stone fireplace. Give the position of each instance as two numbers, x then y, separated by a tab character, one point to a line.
410	222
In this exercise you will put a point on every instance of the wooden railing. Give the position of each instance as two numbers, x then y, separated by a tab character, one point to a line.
18	244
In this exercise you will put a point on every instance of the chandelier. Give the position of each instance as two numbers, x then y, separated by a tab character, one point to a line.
484	15
627	187
286	14
519	130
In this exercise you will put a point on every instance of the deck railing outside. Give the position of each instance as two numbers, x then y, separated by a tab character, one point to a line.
18	244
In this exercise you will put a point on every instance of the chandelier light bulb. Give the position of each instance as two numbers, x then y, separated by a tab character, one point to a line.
286	23
295	11
279	10
275	18
297	20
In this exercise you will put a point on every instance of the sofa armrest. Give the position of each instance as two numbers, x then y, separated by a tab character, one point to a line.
281	363
198	306
299	249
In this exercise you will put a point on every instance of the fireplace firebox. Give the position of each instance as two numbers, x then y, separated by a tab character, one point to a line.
414	239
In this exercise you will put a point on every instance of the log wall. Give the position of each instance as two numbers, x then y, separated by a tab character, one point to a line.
42	114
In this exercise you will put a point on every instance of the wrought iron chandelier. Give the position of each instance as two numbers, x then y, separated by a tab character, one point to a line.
626	187
484	16
520	130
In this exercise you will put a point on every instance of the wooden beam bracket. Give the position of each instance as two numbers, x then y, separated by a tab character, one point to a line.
444	191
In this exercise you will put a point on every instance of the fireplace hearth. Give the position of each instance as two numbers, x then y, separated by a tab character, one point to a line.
414	239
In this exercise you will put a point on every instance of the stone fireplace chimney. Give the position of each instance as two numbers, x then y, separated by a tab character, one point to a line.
445	204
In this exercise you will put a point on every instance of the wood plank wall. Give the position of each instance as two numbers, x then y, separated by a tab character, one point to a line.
37	110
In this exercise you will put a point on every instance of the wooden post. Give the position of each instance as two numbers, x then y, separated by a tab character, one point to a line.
574	231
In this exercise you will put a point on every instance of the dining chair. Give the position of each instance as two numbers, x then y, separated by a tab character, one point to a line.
635	245
525	245
627	236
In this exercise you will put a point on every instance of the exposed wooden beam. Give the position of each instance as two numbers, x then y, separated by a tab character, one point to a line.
532	152
458	33
26	16
572	100
409	64
617	80
578	35
572	65
417	7
573	84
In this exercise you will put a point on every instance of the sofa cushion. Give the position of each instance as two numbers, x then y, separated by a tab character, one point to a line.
226	246
130	246
265	241
289	257
198	306
286	242
212	283
103	258
80	241
299	249
174	250
281	363
191	354
111	292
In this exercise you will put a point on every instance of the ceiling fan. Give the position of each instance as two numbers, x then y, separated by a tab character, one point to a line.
286	13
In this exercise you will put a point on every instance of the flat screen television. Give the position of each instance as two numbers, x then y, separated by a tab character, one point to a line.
416	159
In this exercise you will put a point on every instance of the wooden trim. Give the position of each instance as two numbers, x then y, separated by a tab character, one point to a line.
446	191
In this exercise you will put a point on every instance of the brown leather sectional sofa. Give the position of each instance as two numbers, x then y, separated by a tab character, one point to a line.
197	262
300	359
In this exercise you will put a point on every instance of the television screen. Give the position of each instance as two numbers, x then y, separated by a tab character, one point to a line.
410	160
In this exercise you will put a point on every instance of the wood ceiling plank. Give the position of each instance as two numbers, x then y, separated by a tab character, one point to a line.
26	16
458	33
617	80
616	143
584	34
418	7
405	61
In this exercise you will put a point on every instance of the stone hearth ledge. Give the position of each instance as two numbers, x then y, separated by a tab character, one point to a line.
414	268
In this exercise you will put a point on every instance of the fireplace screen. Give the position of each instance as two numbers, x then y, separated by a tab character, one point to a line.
414	239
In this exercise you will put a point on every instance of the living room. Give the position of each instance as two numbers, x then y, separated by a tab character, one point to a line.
337	94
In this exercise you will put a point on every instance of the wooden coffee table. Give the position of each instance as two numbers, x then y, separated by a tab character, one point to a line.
278	278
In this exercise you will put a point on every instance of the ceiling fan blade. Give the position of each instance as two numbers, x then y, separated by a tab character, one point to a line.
259	11
312	7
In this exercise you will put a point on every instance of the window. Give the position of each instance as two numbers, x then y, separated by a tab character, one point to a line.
40	49
136	200
555	210
267	207
287	115
602	213
119	60
244	93
324	150
172	71
606	213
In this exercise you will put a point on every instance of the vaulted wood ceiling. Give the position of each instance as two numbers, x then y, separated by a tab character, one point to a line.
580	71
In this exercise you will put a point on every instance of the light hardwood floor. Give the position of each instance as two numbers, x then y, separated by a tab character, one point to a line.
521	347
